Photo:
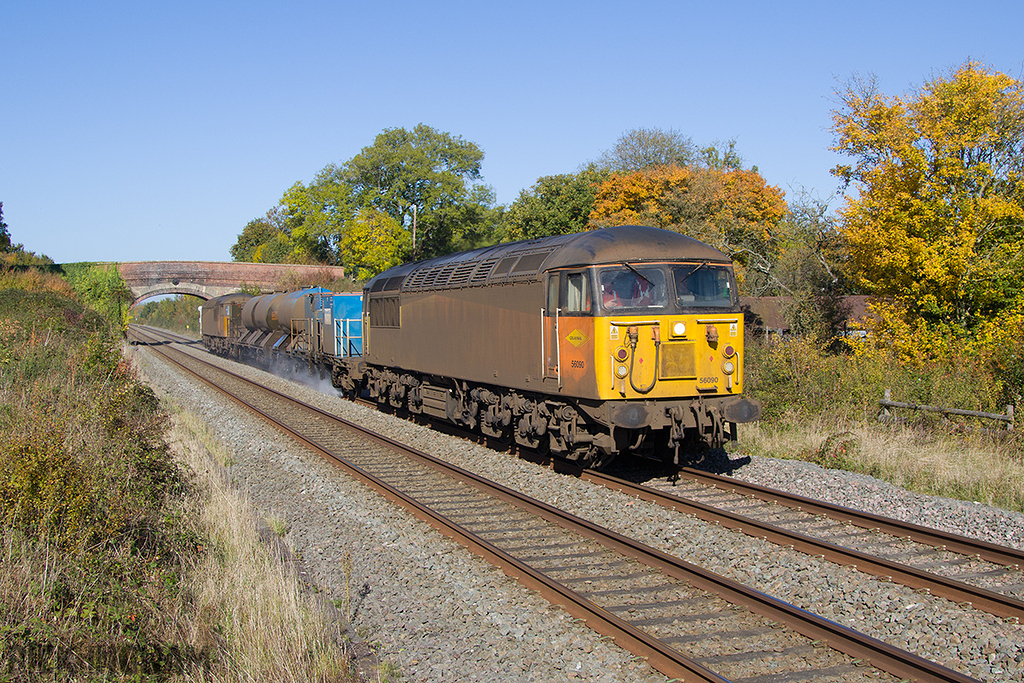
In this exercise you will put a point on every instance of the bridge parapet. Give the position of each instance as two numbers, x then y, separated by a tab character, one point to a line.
207	279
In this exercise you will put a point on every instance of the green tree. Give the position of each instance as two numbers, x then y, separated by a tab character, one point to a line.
936	219
256	233
424	180
315	216
555	205
5	235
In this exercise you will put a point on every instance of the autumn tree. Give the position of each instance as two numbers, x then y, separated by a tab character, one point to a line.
555	205
935	216
734	210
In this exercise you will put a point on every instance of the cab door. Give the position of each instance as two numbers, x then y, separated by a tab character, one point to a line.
550	315
576	334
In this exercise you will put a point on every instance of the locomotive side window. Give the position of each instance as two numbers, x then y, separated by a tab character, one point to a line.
703	285
577	294
553	293
385	312
633	288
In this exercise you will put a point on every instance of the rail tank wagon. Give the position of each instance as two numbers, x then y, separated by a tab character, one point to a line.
589	344
220	322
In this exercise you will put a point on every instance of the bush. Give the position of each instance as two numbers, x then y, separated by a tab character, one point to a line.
86	483
798	377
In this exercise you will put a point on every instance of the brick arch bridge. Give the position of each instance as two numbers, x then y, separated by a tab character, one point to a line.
207	279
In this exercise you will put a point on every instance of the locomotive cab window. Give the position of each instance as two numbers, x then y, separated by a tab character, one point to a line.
569	294
553	280
704	286
633	288
577	294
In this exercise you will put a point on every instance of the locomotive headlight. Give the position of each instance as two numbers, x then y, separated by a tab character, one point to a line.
678	329
728	367
622	371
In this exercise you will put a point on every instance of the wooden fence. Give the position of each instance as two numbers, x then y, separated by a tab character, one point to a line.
1007	417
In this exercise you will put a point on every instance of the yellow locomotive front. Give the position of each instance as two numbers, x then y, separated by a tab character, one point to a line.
667	331
660	348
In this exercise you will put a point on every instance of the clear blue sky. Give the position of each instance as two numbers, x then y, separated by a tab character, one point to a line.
156	131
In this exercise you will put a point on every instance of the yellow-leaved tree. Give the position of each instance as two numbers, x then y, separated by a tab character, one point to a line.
935	218
374	242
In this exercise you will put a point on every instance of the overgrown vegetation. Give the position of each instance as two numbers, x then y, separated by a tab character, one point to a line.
933	227
92	562
108	544
823	406
100	287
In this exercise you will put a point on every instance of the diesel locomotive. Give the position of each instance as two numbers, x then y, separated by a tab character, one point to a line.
588	345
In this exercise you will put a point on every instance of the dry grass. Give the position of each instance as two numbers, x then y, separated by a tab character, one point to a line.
35	281
974	466
251	609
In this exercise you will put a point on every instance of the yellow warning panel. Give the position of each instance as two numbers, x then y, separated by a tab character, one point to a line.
577	338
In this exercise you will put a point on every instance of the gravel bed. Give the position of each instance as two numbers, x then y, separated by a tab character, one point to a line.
440	614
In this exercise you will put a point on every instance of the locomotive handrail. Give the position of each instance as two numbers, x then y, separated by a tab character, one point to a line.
631	323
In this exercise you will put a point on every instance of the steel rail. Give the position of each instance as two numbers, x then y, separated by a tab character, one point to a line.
841	638
997	554
986	600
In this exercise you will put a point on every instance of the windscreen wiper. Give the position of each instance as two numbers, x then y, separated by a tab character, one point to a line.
701	265
638	273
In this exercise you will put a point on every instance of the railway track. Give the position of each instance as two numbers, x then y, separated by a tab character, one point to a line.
967	571
983	575
653	604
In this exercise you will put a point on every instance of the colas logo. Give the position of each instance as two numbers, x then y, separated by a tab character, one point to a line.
577	338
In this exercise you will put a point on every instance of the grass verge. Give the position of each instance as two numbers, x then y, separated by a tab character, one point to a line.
254	613
121	562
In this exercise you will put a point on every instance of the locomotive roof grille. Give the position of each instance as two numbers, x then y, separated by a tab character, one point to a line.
483	271
461	276
393	284
523	261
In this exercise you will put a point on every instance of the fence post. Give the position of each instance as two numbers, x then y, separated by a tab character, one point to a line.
1009	414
